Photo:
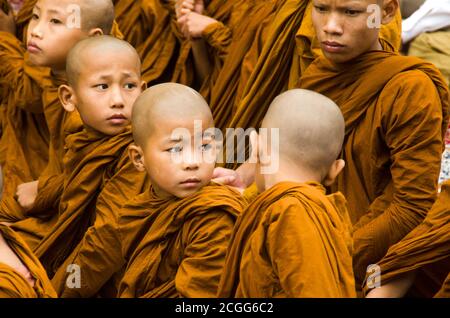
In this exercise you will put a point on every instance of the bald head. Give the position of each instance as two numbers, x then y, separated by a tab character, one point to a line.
164	102
311	128
92	48
97	14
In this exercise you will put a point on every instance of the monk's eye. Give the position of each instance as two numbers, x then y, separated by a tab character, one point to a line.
55	21
206	147
101	87
176	149
352	13
320	9
34	17
130	86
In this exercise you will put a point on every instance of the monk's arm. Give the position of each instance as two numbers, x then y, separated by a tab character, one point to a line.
99	253
204	255
396	288
218	36
17	74
202	61
415	139
50	189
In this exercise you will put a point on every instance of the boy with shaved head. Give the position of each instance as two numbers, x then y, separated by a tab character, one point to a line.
294	240
55	27
187	221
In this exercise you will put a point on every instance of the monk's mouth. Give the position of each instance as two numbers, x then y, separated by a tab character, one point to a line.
33	48
332	47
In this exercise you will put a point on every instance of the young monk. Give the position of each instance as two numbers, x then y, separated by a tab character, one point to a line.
104	81
389	145
419	264
294	240
21	273
50	37
186	221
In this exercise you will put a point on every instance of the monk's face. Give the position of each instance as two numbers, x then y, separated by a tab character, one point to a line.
347	28
107	87
177	164
52	32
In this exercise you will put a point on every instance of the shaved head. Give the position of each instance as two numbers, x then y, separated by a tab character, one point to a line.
311	128
162	102
97	14
87	50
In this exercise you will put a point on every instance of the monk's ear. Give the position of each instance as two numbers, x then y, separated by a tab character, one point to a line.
390	8
143	85
334	171
137	157
95	32
67	97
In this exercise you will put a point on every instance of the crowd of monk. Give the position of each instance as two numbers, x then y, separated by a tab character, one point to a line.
103	196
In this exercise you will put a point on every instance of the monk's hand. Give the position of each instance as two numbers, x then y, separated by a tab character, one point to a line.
185	6
26	194
7	22
194	24
228	177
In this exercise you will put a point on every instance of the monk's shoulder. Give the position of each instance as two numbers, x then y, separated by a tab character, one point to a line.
216	221
285	207
411	81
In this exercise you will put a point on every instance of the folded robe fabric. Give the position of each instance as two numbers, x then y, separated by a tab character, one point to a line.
182	251
444	292
291	237
25	138
392	150
98	173
428	243
12	283
289	46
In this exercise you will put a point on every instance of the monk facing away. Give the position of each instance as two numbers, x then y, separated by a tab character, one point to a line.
419	264
21	273
294	240
392	150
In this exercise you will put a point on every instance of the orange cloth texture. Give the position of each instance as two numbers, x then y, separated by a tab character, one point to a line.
392	150
182	251
288	239
12	283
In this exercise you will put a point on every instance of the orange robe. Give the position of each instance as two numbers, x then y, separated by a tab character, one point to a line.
444	292
279	47
176	247
98	176
292	241
12	283
25	137
426	249
289	45
392	150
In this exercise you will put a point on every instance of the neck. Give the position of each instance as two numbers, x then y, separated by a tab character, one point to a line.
291	172
59	73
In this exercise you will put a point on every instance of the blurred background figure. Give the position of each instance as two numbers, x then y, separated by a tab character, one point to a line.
426	34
